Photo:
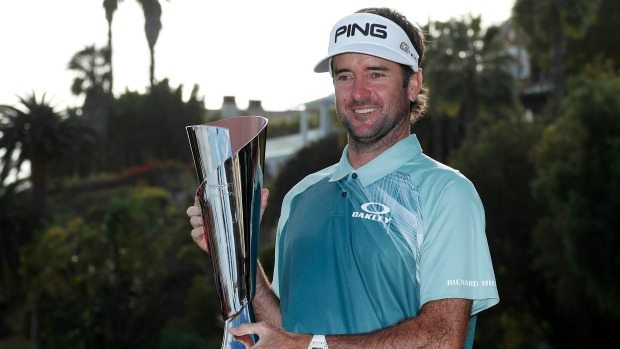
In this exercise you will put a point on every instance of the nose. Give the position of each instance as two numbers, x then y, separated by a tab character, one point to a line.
360	89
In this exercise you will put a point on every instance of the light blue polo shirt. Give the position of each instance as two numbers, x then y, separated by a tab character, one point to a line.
359	250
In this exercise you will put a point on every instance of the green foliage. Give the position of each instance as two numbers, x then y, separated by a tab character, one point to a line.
32	133
600	41
578	168
94	81
548	21
98	284
181	302
16	229
184	340
93	72
467	70
549	24
203	315
37	133
150	127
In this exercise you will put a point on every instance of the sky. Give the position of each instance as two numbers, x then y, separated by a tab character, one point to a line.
254	50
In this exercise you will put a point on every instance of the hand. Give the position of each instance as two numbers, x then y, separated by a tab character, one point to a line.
270	336
199	231
195	219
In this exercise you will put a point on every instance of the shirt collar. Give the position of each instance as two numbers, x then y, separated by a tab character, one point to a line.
379	167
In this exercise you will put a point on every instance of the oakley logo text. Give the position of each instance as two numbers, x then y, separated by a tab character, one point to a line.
374	211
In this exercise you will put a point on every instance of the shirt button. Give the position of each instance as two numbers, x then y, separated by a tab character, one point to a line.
343	194
354	175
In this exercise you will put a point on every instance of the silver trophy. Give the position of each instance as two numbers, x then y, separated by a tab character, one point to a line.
229	156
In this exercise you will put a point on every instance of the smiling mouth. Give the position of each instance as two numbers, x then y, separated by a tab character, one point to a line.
365	111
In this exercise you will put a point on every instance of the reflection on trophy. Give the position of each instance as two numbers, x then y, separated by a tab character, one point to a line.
229	156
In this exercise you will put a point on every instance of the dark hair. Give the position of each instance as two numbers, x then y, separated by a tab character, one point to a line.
415	34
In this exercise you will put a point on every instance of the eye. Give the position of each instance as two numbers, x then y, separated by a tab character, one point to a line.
343	77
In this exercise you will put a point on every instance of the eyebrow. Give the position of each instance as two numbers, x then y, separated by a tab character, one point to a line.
371	68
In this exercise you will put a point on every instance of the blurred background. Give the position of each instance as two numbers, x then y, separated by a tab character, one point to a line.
95	250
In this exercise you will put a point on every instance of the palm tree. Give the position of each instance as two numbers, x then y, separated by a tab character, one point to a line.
548	24
110	7
94	80
468	74
152	27
40	135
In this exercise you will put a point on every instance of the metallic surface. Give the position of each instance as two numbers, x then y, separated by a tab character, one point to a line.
229	156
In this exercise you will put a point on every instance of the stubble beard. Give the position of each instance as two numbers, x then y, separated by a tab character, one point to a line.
383	134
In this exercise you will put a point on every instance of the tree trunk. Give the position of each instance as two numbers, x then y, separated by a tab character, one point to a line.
558	53
152	70
39	190
109	58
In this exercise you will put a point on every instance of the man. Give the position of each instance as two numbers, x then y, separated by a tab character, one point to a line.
387	248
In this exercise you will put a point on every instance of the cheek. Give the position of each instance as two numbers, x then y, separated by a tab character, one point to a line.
340	96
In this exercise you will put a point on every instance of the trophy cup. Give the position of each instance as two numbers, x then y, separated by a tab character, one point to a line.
229	156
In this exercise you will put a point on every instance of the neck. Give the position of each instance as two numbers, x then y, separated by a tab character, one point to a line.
359	153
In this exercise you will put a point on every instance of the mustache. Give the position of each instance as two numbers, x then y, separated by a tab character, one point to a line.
366	102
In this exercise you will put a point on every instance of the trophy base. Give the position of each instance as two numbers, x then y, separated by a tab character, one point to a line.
239	342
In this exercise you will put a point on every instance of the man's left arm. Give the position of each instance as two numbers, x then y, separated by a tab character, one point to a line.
442	323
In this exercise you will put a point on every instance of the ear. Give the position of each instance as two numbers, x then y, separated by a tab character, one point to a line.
415	85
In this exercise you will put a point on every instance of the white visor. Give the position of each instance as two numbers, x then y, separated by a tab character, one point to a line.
369	34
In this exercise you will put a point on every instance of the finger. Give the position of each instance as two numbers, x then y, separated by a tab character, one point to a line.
264	195
198	234
245	340
199	237
194	211
196	221
245	329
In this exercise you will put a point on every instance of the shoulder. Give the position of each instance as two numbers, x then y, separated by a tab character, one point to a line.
301	187
424	168
310	180
440	181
